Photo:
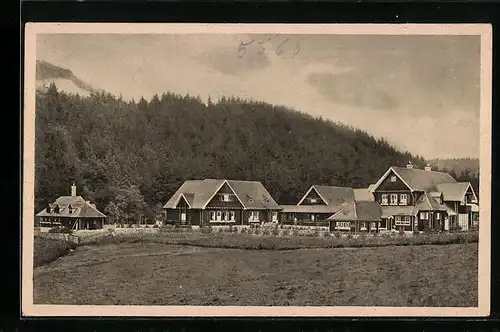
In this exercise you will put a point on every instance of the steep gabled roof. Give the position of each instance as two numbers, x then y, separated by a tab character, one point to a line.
389	211
363	194
428	203
358	211
253	195
454	191
198	193
418	179
332	195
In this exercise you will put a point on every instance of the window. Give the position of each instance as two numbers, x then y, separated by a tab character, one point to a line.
394	199
438	215
343	225
384	199
274	216
424	215
312	217
225	198
313	200
212	215
402	220
231	215
219	216
70	209
393	178
254	216
403	199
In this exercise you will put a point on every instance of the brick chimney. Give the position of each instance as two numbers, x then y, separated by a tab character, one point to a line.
428	167
409	165
73	190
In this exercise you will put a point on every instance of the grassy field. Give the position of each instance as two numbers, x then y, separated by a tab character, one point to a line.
150	273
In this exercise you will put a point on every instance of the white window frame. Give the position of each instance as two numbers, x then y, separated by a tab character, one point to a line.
343	225
384	200
402	220
219	216
225	197
424	216
313	217
391	201
393	178
438	216
183	214
403	199
212	216
313	200
274	216
254	216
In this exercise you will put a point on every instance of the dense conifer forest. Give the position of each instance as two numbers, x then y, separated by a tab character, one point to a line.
129	156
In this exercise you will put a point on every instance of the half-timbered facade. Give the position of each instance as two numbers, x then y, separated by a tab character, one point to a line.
73	212
218	202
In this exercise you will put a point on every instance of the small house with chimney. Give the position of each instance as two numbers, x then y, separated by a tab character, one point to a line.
217	202
73	212
413	199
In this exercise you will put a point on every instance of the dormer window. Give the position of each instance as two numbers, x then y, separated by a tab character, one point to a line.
48	209
70	209
250	200
56	209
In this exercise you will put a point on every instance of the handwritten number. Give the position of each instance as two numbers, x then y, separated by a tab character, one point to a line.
279	50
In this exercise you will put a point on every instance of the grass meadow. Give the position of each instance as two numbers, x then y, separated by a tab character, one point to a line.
231	269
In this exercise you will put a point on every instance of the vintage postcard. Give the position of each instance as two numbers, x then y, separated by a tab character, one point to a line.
256	170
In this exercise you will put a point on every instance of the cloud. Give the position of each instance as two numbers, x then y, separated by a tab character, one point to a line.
352	89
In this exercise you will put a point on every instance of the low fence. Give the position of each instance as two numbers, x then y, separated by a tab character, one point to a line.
59	236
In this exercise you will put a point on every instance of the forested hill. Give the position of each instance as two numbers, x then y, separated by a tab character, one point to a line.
138	153
458	165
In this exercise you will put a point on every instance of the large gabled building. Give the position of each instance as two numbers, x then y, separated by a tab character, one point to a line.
221	202
413	199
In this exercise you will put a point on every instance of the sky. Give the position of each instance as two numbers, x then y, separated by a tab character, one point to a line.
419	92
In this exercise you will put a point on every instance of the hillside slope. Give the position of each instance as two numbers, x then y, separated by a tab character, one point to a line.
47	73
139	153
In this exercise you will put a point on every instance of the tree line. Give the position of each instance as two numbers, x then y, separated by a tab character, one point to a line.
129	157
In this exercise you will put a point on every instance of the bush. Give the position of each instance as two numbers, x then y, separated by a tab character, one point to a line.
296	232
206	229
256	231
285	232
48	250
401	232
60	230
326	234
243	231
276	232
349	236
337	234
266	232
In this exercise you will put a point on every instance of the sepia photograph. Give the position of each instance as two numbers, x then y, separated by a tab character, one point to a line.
256	170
